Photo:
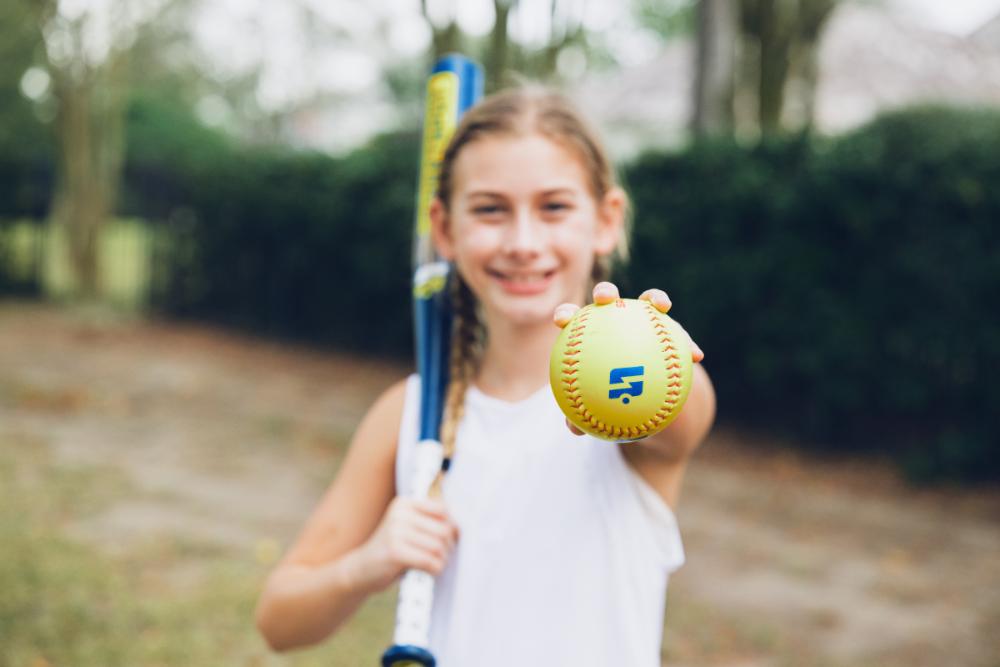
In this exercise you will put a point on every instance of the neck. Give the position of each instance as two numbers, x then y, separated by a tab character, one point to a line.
515	362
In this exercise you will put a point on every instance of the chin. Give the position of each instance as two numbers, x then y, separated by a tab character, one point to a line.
528	311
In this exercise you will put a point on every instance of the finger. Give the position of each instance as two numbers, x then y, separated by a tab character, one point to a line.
697	356
564	313
605	292
432	507
658	298
436	529
573	427
418	558
429	544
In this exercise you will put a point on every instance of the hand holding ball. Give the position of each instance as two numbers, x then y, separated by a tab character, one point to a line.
622	370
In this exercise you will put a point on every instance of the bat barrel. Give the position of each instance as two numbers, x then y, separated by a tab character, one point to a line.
455	84
470	78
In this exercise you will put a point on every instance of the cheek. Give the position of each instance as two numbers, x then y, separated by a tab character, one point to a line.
474	247
575	241
477	240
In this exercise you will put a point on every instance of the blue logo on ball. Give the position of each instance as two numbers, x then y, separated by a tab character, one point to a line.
619	376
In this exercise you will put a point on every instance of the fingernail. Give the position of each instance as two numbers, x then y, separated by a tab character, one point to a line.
605	292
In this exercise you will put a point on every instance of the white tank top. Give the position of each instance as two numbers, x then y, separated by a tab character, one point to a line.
564	551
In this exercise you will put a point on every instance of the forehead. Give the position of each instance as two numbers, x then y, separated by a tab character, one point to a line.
517	164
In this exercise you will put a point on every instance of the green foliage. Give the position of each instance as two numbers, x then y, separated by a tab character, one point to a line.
297	245
21	46
843	290
669	19
59	600
26	151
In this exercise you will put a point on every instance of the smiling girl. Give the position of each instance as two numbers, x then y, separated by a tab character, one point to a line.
549	547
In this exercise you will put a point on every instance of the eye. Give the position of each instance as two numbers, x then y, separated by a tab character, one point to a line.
487	209
556	208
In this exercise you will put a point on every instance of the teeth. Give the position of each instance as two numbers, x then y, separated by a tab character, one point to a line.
523	278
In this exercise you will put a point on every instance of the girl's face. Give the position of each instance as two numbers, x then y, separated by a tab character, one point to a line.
524	227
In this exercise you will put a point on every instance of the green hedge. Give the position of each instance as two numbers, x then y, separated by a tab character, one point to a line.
844	289
297	245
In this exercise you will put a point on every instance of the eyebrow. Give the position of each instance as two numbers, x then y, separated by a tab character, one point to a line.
559	191
500	195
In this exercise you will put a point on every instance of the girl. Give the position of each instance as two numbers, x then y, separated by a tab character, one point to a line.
549	549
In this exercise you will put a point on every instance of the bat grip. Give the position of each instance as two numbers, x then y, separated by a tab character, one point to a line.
416	590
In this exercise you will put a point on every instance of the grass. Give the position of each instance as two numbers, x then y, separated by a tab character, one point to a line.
167	602
181	602
162	603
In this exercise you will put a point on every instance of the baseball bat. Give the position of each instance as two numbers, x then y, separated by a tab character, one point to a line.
455	84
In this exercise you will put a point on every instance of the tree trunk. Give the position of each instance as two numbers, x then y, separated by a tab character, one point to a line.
775	45
813	15
715	62
447	39
90	127
783	38
499	58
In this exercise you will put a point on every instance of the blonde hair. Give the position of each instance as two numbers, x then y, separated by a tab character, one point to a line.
517	112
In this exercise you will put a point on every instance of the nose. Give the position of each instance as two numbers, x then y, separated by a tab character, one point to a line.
524	236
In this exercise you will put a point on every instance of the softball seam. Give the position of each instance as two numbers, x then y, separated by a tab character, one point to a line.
671	358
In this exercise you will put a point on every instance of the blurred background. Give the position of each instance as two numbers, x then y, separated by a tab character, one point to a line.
202	200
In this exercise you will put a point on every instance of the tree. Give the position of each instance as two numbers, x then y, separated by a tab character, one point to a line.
21	48
780	39
497	59
444	38
88	51
715	67
501	51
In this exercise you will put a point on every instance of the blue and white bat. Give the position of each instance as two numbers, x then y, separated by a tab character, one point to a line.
454	85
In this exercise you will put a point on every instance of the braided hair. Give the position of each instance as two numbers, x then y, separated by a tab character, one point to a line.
516	112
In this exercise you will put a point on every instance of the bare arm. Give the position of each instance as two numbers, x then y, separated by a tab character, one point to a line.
358	540
661	459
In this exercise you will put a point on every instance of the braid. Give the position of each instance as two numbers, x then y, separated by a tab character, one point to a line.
465	343
520	112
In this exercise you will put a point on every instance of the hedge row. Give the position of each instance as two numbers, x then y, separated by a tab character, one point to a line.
845	290
297	245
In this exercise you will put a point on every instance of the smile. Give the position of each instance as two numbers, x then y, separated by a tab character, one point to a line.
522	282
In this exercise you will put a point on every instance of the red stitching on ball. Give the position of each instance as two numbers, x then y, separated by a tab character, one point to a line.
674	377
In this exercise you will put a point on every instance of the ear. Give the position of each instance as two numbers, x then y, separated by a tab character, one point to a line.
441	230
610	220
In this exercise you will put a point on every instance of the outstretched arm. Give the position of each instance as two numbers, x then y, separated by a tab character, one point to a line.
662	458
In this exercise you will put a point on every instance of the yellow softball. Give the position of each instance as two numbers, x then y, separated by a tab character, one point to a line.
622	370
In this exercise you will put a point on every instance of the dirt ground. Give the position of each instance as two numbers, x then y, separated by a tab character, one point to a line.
230	440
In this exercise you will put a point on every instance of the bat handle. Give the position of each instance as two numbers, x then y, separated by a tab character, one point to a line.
416	590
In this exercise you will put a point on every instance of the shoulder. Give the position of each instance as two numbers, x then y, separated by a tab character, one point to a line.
380	425
391	401
372	449
364	483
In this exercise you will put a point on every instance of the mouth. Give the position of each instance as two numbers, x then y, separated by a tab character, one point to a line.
522	282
